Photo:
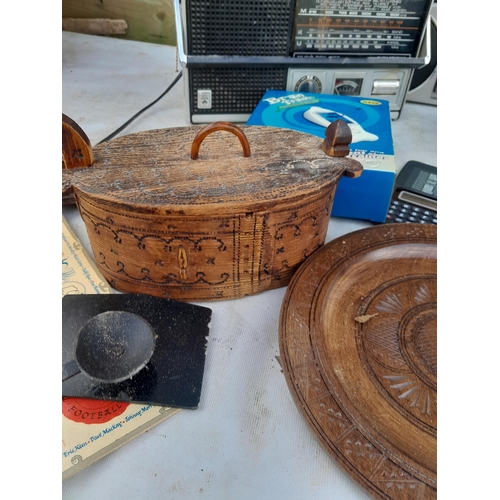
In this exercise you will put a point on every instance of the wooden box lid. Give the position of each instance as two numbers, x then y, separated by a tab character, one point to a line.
243	169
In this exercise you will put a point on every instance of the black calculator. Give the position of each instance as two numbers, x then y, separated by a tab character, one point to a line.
415	195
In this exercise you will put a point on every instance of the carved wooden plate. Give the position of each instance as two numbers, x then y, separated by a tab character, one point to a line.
358	344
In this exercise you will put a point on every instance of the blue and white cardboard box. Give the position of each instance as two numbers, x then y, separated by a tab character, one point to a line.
368	196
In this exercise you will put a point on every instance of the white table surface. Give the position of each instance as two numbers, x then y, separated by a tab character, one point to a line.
247	439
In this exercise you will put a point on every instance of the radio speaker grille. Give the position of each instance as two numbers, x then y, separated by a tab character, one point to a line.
239	27
234	90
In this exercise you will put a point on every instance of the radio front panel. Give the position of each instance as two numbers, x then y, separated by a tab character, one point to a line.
232	52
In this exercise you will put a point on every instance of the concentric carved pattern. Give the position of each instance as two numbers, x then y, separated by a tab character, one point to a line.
397	347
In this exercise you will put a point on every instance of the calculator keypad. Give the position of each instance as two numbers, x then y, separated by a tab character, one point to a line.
406	212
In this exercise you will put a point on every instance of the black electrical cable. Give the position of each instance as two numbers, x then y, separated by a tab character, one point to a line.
118	130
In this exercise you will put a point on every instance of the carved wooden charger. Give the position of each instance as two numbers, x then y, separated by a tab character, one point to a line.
359	352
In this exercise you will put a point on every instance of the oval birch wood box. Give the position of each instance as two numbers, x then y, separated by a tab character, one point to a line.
197	213
358	346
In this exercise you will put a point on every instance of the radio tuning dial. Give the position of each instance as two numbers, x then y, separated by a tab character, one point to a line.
309	83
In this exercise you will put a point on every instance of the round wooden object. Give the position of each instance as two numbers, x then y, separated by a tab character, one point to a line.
229	223
359	352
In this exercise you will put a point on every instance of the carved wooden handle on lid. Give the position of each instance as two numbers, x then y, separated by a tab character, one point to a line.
76	148
212	127
338	136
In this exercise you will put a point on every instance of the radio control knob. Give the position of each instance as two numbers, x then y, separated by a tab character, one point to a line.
309	83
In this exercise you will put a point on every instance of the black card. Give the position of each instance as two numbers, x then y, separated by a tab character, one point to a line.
134	348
